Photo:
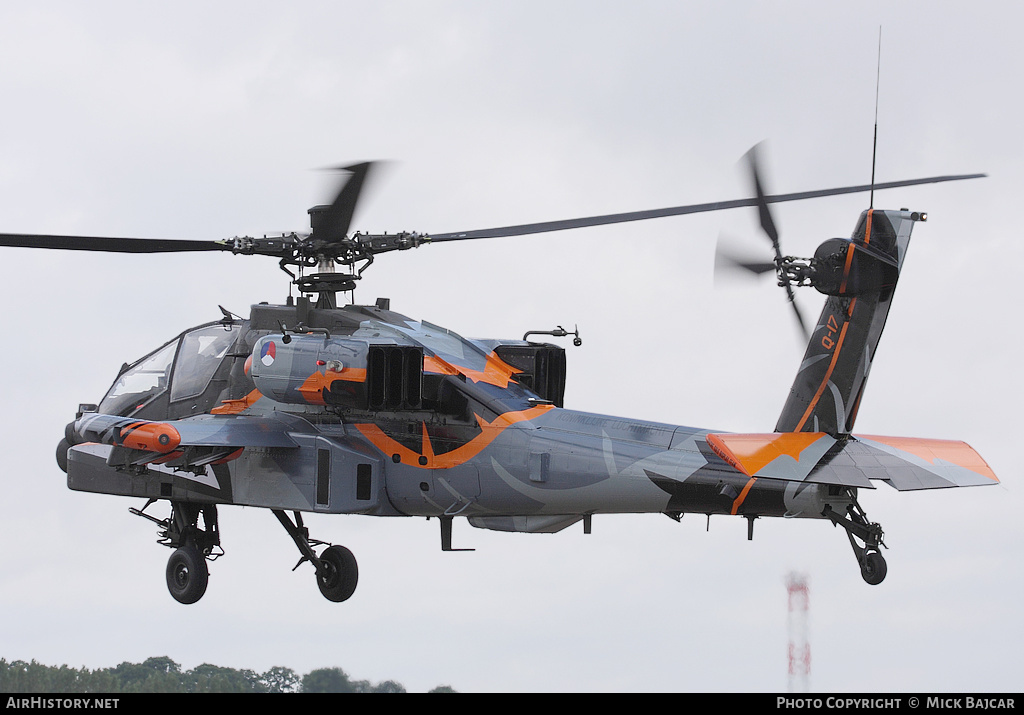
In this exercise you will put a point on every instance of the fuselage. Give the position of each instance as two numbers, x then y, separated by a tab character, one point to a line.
390	416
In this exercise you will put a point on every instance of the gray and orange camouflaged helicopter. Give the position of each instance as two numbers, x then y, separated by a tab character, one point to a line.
357	409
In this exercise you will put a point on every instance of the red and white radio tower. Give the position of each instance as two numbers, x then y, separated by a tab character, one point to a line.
799	645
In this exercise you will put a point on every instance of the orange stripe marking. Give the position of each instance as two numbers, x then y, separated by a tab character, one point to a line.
314	385
851	249
460	455
750	453
831	367
738	502
235	407
496	371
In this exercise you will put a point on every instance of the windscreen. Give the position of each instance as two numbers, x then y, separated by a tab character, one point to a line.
201	353
140	383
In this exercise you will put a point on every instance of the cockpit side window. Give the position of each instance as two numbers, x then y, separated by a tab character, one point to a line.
202	351
140	383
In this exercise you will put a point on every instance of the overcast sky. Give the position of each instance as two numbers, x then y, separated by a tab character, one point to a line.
208	120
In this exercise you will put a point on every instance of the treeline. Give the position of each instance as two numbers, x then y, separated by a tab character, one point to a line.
163	675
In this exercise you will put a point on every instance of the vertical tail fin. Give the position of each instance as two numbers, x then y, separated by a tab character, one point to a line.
859	276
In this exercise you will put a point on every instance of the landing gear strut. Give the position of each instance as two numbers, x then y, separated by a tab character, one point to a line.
336	571
188	576
872	563
187	573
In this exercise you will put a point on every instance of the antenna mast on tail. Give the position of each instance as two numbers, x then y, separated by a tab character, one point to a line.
874	146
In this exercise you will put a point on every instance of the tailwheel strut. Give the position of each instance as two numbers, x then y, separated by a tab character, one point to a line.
869	557
337	573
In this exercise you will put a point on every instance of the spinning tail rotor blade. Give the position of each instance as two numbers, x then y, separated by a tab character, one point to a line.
725	261
799	316
728	261
764	213
772	232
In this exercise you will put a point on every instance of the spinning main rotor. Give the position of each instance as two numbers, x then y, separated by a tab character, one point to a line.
329	243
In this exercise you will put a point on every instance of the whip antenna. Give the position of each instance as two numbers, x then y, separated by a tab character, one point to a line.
874	146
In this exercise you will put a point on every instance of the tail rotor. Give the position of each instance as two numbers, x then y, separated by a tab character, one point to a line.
788	270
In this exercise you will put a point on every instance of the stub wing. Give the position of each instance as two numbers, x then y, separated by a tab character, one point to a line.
194	441
904	463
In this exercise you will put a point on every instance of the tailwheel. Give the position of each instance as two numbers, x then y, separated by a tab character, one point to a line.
338	574
187	574
873	568
872	564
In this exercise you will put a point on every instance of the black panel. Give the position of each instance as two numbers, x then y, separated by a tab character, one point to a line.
364	472
542	369
394	376
323	477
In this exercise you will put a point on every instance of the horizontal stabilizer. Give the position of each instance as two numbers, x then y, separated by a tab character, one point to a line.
909	463
815	457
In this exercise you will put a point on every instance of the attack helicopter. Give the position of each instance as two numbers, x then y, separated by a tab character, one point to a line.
313	406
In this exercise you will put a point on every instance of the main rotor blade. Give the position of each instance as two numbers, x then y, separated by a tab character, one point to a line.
103	243
528	228
334	223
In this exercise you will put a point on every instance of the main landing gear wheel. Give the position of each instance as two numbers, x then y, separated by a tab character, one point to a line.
187	572
338	574
187	575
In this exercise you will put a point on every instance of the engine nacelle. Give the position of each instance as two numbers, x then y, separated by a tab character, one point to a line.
319	370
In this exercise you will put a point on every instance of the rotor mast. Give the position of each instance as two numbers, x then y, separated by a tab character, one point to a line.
327	282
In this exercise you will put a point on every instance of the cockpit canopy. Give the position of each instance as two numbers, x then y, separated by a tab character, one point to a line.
181	369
